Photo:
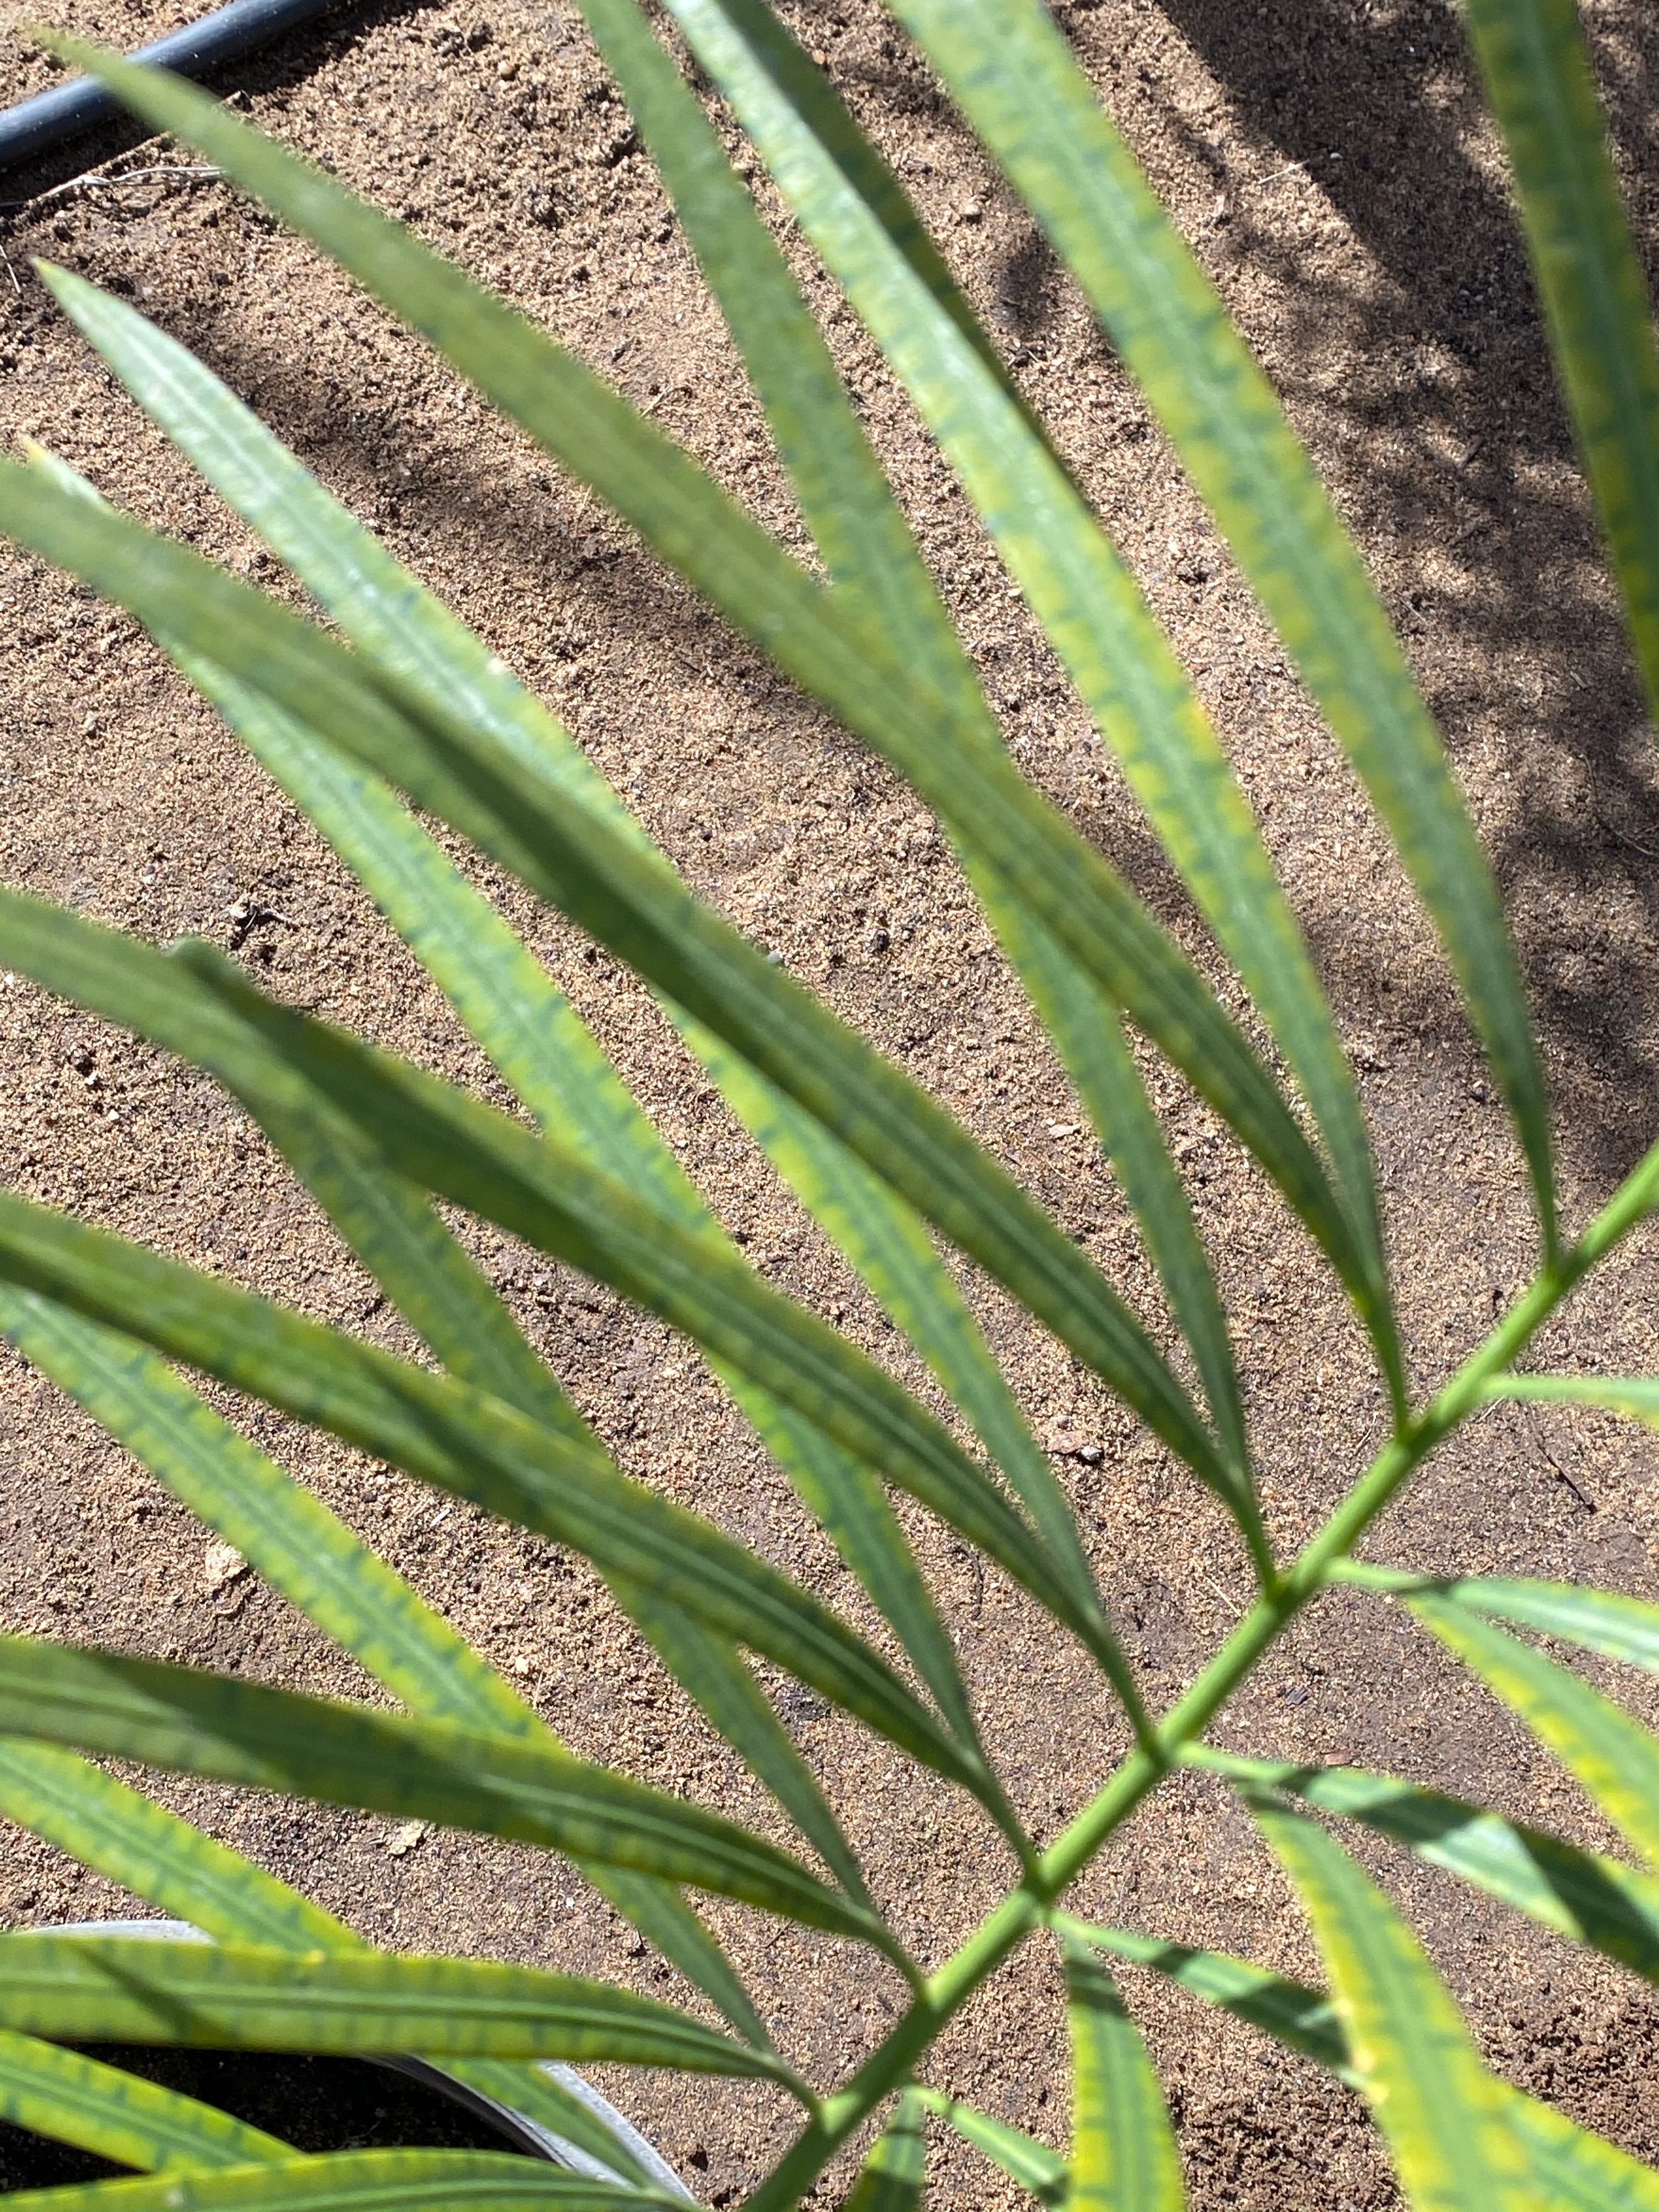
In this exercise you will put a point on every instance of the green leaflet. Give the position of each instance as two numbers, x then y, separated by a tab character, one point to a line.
471	1445
1615	1758
539	1042
195	1723
835	652
293	1540
1574	2171
855	215
356	2181
128	1989
424	1271
1124	2157
120	2116
887	1243
538	2092
1595	301
474	1155
869	552
1090	1038
1032	2164
303	1550
1635	1397
542	1048
1606	1621
119	1832
1447	2121
1009	70
1302	2018
528	1027
890	2179
714	1674
1583	1894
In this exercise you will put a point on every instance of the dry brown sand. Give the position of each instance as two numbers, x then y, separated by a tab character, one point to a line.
1330	164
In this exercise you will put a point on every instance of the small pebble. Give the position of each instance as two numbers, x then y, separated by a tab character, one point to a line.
221	1564
880	940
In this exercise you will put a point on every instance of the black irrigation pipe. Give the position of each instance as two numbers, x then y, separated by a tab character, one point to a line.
35	126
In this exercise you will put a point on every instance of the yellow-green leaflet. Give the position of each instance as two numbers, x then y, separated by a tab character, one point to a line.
221	1995
1447	2128
1573	2170
114	1829
111	1827
119	2116
890	2179
1124	2157
1585	1895
285	1533
1615	1758
359	2181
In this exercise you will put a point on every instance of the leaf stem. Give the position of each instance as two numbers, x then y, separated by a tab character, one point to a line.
1317	1565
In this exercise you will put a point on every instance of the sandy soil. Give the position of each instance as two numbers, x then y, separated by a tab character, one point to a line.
1330	166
